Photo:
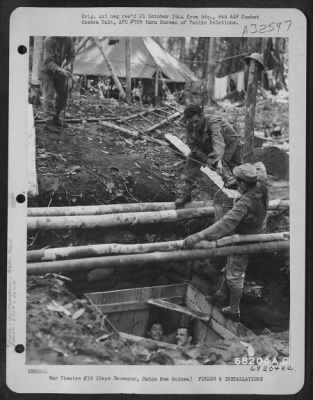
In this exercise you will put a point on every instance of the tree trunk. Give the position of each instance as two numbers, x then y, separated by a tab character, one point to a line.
37	54
63	253
250	108
128	69
85	264
111	68
212	57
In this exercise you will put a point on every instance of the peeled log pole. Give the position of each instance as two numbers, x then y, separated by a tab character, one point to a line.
123	219
129	207
163	122
97	250
119	128
85	264
111	208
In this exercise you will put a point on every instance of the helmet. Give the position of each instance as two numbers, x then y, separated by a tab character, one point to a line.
257	57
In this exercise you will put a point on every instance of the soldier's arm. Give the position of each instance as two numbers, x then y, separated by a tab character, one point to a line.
196	149
218	143
226	225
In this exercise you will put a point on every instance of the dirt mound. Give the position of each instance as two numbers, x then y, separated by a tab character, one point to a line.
275	160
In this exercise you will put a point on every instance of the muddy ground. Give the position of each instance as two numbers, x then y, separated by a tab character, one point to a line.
89	164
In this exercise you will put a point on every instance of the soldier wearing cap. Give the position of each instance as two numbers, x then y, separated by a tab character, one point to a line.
248	216
213	142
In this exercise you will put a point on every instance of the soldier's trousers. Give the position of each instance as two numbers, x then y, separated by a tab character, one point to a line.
54	94
235	270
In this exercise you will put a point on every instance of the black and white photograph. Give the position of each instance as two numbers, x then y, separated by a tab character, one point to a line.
158	211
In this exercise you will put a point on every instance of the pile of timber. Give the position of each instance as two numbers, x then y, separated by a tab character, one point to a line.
114	256
117	215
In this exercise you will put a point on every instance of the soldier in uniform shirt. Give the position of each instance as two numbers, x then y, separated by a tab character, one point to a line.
248	216
213	142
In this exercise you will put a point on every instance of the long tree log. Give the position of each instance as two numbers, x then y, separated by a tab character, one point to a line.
129	207
85	264
111	208
119	128
163	122
122	219
97	250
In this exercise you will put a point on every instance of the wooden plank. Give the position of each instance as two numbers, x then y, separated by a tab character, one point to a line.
204	333
137	294
137	339
212	175
134	305
175	307
195	300
223	332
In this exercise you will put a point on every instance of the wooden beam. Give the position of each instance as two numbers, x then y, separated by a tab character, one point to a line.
134	305
163	122
137	339
164	303
97	250
119	128
86	264
123	219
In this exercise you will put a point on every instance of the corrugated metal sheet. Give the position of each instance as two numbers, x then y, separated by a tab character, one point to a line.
146	58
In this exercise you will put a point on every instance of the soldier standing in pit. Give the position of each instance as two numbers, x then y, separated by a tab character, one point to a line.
55	70
213	142
248	216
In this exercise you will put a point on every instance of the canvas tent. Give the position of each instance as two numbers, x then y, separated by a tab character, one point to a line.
147	57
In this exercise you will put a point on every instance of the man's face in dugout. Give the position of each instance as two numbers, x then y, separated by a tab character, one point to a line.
156	332
182	337
194	122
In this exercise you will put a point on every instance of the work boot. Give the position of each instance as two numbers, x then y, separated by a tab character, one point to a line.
52	127
233	310
235	316
59	123
185	197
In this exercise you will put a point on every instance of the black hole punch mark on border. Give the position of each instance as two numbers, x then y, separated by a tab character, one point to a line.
20	198
19	348
22	49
